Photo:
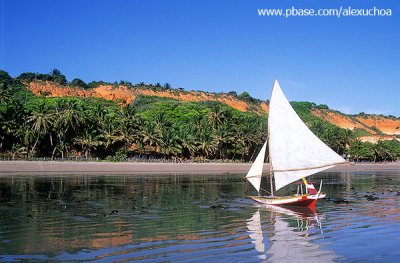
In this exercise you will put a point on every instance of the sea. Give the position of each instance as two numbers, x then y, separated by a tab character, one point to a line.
195	218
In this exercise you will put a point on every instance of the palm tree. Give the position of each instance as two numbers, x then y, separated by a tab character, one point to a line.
170	145
98	113
360	150
108	131
88	141
252	137
26	136
70	118
186	138
40	122
206	140
225	139
127	126
6	129
5	95
386	150
148	136
198	121
260	136
216	116
160	121
17	149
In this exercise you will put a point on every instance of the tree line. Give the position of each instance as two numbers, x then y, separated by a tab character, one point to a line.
37	126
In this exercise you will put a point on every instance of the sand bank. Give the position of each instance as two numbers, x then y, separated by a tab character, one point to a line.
38	167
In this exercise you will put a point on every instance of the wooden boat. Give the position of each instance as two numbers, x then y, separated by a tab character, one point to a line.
294	153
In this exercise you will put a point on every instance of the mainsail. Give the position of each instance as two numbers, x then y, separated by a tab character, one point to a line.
295	152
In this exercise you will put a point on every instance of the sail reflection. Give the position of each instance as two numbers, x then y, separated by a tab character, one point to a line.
255	230
290	235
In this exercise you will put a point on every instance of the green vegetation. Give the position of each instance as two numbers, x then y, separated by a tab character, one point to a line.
54	76
358	132
303	109
245	96
151	127
376	130
79	83
36	126
382	151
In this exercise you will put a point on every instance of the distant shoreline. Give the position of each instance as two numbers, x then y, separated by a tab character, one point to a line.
68	167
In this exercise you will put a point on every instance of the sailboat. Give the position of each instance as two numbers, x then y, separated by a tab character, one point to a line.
294	153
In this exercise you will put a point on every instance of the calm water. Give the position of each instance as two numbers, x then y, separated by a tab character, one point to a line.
194	219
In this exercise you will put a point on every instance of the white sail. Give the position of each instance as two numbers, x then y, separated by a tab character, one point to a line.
295	151
255	172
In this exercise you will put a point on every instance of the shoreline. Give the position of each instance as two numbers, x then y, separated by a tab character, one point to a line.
70	167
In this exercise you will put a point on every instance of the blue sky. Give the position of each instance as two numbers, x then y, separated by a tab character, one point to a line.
350	63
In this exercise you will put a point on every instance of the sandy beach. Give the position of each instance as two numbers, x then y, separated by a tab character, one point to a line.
48	167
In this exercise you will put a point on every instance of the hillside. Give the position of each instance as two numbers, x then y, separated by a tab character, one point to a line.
125	95
46	116
368	127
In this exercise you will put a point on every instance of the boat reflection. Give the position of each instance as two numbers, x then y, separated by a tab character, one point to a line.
255	230
289	236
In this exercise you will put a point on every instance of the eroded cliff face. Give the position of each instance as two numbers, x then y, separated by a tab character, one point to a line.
341	120
51	90
372	124
384	124
125	95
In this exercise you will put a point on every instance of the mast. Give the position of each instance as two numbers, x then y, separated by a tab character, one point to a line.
270	167
269	148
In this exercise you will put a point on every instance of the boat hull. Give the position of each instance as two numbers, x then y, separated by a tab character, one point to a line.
294	200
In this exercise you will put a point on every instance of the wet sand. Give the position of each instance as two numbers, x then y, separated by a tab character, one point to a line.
49	167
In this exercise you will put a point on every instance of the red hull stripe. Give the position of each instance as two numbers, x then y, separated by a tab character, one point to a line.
305	202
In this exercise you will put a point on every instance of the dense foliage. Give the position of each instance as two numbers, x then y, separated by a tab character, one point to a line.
37	126
381	151
54	76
